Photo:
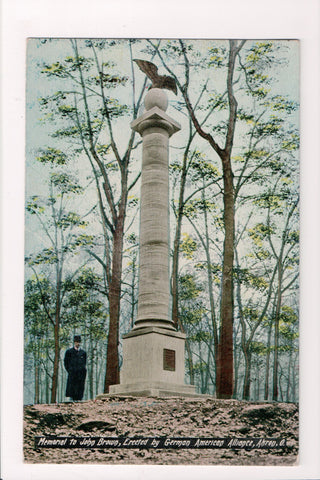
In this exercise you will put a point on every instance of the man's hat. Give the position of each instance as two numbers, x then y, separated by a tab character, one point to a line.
77	338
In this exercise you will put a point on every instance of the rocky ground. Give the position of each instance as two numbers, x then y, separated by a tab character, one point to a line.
163	417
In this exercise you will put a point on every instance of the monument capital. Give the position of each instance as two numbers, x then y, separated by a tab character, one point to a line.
155	117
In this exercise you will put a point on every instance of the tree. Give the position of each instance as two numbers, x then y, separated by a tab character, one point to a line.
285	257
62	238
86	111
192	311
251	70
87	313
37	340
270	266
224	382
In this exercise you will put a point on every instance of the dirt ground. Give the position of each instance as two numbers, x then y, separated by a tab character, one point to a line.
163	417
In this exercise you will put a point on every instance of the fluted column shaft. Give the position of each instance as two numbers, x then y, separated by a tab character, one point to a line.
155	127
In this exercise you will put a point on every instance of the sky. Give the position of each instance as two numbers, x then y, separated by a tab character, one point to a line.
48	51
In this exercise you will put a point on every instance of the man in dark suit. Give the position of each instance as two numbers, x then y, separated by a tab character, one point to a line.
75	363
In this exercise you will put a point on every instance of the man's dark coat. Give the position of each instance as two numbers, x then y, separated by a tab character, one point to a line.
75	364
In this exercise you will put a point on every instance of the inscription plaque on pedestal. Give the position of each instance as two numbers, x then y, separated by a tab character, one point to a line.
169	360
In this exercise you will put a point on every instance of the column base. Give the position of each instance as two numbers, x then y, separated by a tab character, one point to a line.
153	364
152	389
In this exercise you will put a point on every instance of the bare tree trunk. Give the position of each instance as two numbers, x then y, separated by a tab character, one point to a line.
275	379
294	378
91	366
225	359
112	367
47	377
266	381
133	296
208	367
289	375
189	354
176	244
258	381
236	371
247	374
280	385
36	381
56	347
210	285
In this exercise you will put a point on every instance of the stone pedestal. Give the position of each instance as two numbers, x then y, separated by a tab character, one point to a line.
153	352
153	363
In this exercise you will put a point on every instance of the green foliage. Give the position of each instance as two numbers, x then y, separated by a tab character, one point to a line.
175	167
218	56
256	154
71	219
52	156
188	246
260	55
65	183
203	169
288	315
260	232
55	69
248	278
67	67
56	222
216	102
198	205
294	237
38	301
71	131
279	103
292	143
200	336
192	317
37	294
133	200
188	287
103	149
132	239
260	254
82	310
66	110
34	207
107	80
270	201
87	310
47	256
258	348
82	240
248	118
83	291
272	127
251	314
57	97
173	49
262	93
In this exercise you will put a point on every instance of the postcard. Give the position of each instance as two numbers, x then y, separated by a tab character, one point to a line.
161	315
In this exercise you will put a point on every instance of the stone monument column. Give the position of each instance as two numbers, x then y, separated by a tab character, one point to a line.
155	127
153	352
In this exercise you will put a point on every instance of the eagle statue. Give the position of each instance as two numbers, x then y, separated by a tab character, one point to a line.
158	81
